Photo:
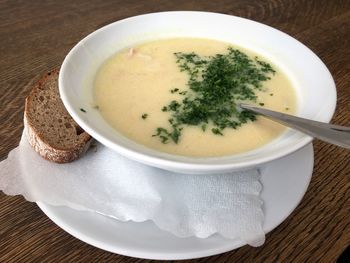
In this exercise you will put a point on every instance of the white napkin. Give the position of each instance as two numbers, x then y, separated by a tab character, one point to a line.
105	182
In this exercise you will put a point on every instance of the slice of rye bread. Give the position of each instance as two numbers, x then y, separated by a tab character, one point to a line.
50	130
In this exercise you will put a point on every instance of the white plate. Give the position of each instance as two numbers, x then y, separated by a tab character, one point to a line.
285	182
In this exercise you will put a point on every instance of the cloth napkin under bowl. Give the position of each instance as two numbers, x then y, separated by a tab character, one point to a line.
107	183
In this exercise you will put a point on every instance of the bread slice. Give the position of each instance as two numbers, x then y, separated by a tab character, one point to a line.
50	130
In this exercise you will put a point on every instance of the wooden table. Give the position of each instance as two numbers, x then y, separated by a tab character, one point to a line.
35	36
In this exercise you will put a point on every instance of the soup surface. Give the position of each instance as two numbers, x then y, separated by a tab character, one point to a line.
135	87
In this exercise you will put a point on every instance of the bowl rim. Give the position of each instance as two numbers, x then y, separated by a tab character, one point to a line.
189	165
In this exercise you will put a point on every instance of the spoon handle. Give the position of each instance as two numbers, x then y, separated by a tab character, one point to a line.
335	134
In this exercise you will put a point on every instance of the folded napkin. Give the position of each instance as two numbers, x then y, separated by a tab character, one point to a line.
105	182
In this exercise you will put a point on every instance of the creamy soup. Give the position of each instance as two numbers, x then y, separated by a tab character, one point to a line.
134	88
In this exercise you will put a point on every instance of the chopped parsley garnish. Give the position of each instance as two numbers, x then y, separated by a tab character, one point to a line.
81	109
216	131
261	104
144	116
164	135
216	84
174	90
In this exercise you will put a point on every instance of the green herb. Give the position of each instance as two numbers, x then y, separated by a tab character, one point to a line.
261	104
266	67
271	94
216	131
173	106
81	109
165	135
174	90
287	108
216	84
144	116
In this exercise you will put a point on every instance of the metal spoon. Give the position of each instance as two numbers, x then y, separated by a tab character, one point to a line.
335	134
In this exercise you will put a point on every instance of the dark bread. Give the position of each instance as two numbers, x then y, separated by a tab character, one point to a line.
50	130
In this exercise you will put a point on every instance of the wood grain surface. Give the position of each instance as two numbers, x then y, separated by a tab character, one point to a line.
35	36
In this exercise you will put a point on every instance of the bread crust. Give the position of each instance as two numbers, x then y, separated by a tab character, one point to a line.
37	140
